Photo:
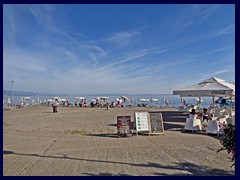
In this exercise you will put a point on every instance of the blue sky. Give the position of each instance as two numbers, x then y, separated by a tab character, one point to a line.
89	49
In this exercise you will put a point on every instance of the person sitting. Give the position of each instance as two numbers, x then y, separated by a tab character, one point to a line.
205	114
193	114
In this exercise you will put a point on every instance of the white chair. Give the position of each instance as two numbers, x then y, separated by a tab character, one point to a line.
213	127
193	125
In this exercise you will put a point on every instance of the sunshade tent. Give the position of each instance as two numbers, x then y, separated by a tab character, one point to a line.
212	87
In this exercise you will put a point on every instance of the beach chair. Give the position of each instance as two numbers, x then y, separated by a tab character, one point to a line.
193	125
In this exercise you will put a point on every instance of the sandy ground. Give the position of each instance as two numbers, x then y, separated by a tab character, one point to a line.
83	142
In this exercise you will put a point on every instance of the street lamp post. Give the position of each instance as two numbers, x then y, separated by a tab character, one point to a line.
12	93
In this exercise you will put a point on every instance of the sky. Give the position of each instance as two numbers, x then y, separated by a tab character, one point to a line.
116	49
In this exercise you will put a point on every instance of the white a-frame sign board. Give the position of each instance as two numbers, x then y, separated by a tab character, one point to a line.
142	121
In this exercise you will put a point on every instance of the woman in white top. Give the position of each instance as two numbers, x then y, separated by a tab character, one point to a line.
192	114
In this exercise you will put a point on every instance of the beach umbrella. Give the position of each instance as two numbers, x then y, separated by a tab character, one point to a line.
144	100
27	98
33	101
117	99
4	101
125	99
8	100
154	100
103	98
166	102
21	100
198	99
57	98
79	98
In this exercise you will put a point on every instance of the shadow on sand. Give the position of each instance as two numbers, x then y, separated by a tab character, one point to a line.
184	168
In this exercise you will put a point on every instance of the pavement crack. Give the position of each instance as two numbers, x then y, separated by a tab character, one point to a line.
36	159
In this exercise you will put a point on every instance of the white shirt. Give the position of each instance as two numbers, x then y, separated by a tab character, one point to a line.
192	116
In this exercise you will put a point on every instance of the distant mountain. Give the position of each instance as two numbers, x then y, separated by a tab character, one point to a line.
24	93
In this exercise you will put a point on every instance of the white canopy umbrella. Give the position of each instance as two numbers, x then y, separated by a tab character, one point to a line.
79	98
57	98
144	100
208	88
211	87
21	100
117	99
198	100
27	98
8	100
125	99
103	98
154	100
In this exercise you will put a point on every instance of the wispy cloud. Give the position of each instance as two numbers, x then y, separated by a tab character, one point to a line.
203	11
134	56
74	54
223	71
24	62
124	38
44	19
196	14
226	30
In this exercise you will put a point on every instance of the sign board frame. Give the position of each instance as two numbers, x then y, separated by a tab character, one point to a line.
124	124
156	123
142	122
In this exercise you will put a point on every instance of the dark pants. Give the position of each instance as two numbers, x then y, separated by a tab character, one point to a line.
205	117
55	109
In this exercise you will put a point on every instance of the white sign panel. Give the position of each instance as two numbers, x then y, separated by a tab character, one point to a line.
142	121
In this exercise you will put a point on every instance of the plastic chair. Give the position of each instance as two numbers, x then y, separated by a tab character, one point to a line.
193	125
213	127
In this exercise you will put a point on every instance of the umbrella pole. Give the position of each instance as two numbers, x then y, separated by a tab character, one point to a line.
213	100
231	107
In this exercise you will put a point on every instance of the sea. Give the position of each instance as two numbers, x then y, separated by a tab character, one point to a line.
173	100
